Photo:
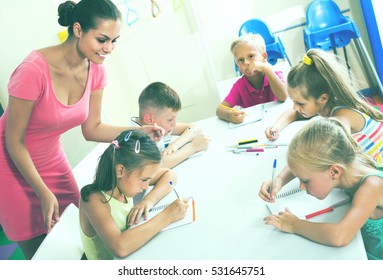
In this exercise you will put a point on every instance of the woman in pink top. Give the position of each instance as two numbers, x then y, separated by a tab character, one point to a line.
259	83
54	89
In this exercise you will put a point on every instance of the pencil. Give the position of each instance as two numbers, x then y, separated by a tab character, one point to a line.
228	108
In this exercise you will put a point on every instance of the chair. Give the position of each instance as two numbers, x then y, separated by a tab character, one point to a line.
328	29
274	47
64	240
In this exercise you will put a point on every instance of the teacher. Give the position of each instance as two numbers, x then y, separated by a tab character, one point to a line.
53	90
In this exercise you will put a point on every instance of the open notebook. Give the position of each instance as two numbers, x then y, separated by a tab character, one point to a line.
254	114
163	203
306	206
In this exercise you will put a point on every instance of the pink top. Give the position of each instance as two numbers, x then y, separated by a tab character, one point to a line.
245	95
20	211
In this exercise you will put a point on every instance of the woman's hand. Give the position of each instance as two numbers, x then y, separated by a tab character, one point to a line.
155	132
49	209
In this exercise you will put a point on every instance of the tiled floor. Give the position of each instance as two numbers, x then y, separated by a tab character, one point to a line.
8	249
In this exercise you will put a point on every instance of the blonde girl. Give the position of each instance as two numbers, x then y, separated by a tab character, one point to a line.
317	86
324	156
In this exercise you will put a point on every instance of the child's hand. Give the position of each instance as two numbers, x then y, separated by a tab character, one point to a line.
237	116
255	66
284	221
170	149
177	210
137	211
272	133
264	191
200	142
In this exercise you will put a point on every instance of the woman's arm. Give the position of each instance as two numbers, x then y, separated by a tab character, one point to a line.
94	130
19	113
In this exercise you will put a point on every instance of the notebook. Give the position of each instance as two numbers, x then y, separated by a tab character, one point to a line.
304	205
162	204
254	114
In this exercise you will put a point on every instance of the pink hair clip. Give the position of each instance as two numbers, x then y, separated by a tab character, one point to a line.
115	144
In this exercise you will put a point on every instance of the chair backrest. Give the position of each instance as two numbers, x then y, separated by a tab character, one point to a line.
256	25
323	14
274	46
64	240
327	28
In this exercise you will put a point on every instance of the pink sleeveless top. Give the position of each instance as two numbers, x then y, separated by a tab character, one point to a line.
20	210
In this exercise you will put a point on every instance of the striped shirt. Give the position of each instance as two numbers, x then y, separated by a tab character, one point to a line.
370	137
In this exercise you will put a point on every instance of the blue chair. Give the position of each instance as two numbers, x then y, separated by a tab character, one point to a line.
274	47
328	29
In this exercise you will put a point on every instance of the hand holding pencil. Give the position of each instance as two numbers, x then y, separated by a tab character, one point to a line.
230	114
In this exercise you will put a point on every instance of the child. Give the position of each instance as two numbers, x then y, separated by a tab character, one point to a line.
317	87
159	105
324	156
125	169
259	83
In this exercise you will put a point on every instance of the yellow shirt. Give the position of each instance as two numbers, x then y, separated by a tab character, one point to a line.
94	247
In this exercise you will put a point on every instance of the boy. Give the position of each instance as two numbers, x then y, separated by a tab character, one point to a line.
159	105
259	83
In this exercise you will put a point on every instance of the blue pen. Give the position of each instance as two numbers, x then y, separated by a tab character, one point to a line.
171	185
272	177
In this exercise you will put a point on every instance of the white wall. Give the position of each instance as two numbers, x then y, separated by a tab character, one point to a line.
188	49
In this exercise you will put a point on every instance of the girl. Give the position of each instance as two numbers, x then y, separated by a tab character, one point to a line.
324	156
53	90
259	83
317	87
125	169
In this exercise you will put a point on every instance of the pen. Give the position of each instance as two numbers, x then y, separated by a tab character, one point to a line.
171	185
193	130
272	177
248	141
326	210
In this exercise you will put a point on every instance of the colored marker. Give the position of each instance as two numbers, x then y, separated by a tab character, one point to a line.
248	141
251	150
326	210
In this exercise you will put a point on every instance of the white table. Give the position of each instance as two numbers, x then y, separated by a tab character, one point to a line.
225	186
